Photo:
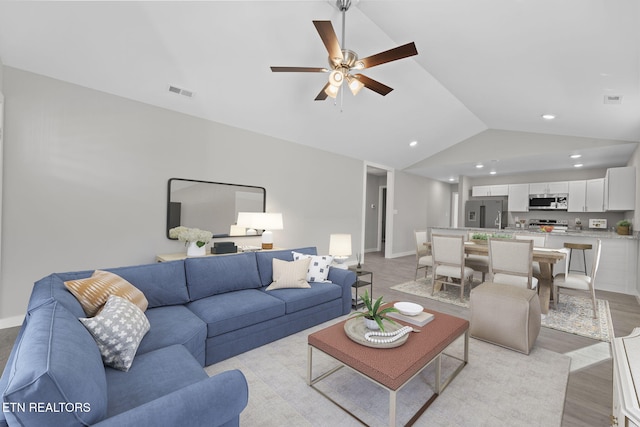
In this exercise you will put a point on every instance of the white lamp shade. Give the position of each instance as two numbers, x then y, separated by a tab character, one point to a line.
340	245
245	219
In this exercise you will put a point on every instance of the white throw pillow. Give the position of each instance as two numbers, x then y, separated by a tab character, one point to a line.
289	274
318	267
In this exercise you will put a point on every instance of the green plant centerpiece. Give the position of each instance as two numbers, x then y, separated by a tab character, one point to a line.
622	227
373	312
480	238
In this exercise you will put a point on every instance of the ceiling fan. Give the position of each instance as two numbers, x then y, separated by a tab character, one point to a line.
343	61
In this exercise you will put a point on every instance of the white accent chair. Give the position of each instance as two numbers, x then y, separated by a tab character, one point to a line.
423	256
579	282
538	242
449	261
510	262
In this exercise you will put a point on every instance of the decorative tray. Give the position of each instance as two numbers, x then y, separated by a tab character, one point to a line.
355	330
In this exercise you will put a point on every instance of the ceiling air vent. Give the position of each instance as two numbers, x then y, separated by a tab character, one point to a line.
180	91
613	99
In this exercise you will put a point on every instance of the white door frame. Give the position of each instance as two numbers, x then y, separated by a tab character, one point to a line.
389	226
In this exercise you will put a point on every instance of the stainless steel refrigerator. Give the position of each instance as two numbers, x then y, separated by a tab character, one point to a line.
489	213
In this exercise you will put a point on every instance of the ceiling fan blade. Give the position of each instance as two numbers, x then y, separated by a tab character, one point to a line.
373	84
322	95
329	38
394	54
299	70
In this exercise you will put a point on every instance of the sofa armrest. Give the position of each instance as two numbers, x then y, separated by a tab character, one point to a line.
214	401
346	279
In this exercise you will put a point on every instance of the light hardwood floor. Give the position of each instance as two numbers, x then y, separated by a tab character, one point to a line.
589	390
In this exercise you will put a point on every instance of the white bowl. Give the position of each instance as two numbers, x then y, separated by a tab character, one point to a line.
408	308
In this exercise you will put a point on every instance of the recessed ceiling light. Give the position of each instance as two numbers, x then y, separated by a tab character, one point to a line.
548	116
413	143
492	173
575	156
451	179
479	166
578	165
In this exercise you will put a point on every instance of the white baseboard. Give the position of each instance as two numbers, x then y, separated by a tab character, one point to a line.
10	322
401	254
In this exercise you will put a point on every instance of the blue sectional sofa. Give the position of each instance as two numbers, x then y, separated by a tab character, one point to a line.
200	311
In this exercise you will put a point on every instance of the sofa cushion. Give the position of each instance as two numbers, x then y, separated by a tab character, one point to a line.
118	330
175	324
235	310
53	286
219	274
163	283
264	260
153	375
289	274
318	267
57	362
299	299
93	292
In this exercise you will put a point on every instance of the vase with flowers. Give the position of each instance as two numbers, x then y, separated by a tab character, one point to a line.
193	238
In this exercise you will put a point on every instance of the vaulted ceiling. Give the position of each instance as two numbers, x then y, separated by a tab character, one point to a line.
485	73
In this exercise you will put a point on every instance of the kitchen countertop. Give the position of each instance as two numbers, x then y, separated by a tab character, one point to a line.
573	233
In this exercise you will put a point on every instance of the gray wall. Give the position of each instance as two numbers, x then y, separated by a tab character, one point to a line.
85	177
420	203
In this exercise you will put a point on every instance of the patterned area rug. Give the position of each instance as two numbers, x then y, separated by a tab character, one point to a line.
488	391
573	314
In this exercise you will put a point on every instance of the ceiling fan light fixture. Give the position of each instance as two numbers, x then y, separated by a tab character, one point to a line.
336	78
354	84
332	91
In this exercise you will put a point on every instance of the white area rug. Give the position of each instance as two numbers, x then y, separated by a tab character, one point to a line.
574	314
497	387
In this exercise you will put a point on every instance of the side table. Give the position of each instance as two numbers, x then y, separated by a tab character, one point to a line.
361	282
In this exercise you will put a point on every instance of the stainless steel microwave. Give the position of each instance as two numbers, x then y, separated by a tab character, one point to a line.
548	202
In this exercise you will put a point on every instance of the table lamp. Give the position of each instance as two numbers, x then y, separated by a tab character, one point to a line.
245	220
267	222
340	249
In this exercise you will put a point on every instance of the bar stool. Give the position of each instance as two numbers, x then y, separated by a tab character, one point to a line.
580	247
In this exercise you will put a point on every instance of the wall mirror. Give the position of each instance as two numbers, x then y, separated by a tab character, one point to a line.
211	206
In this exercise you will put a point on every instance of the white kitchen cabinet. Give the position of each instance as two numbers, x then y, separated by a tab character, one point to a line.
489	190
518	198
561	187
595	195
626	374
577	199
620	189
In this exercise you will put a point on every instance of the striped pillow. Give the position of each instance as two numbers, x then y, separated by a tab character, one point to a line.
289	274
93	292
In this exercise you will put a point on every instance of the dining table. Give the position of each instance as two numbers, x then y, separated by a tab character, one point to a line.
545	257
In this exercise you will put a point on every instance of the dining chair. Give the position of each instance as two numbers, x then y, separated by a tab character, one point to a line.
539	241
579	282
423	255
479	263
510	262
449	261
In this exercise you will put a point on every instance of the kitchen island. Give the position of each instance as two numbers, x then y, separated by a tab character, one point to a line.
618	270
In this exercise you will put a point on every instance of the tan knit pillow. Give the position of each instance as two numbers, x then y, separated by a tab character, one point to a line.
93	292
289	274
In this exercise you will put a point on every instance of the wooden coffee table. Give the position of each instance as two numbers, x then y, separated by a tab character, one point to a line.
392	368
